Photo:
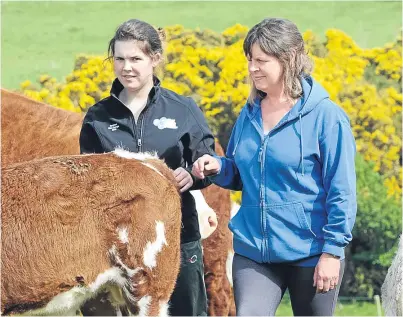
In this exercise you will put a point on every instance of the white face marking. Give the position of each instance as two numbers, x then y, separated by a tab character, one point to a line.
123	235
228	266
234	209
164	306
153	248
153	168
144	304
138	156
204	212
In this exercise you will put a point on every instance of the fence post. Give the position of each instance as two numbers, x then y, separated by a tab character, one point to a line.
378	305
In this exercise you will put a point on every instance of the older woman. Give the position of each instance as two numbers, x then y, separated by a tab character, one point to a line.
291	153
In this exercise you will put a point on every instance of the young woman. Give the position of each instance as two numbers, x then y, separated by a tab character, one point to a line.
142	116
291	153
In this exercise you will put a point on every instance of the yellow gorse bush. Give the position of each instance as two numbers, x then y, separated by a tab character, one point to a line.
211	68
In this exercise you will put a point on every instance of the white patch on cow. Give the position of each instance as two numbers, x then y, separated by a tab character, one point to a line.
153	248
204	211
164	307
228	266
144	305
153	168
123	235
234	209
69	302
112	275
138	156
118	312
114	252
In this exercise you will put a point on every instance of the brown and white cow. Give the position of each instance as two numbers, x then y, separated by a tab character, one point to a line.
32	129
74	226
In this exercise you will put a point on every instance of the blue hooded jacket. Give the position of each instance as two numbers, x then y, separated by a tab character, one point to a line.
298	181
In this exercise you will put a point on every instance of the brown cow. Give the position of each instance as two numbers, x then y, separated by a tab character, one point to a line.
217	253
73	226
31	129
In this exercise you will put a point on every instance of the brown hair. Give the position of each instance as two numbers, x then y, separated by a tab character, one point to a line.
136	30
281	38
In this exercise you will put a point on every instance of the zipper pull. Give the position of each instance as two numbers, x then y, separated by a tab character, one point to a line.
139	142
260	155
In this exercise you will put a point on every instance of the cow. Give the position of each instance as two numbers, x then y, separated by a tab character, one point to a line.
218	253
31	129
61	248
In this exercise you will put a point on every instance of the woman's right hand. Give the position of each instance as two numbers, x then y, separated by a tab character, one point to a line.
205	166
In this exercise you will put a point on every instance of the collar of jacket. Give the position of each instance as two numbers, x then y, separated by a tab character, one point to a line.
117	87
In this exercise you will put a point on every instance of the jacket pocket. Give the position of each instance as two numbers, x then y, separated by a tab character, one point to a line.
289	234
246	228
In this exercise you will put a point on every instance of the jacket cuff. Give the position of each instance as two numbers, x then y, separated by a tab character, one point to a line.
214	176
334	249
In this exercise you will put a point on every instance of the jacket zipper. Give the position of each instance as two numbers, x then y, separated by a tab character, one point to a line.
133	123
266	255
141	125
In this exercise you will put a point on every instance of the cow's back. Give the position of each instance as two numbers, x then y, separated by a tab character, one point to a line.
31	129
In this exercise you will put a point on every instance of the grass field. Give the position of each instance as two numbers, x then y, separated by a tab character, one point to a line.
345	309
44	37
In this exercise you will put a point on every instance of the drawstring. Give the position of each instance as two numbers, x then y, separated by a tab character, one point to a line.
302	145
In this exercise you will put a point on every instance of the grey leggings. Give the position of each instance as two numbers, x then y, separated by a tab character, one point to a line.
259	289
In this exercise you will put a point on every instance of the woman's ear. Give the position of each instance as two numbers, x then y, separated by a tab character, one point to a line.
156	59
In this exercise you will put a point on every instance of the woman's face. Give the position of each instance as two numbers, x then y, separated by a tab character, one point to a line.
265	70
132	66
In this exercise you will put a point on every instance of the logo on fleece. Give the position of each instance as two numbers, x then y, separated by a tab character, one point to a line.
113	127
165	123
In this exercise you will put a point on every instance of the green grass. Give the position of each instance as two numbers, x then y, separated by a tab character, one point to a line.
44	37
342	309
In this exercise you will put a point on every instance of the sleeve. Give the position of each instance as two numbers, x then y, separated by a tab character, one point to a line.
228	177
338	150
200	142
89	139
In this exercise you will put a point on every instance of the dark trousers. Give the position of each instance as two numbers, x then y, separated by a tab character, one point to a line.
189	297
259	288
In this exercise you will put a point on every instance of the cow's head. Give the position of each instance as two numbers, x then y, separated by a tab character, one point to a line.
206	215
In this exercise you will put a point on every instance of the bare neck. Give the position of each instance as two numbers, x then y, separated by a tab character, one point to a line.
277	99
130	96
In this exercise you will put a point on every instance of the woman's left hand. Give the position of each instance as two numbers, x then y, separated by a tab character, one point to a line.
326	276
183	178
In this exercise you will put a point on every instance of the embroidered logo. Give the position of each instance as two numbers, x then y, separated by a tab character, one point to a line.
193	259
165	123
113	127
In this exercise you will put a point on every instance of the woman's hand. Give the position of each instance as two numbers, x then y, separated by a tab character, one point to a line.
205	166
183	178
326	276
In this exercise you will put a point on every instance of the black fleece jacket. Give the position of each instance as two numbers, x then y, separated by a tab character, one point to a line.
171	125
